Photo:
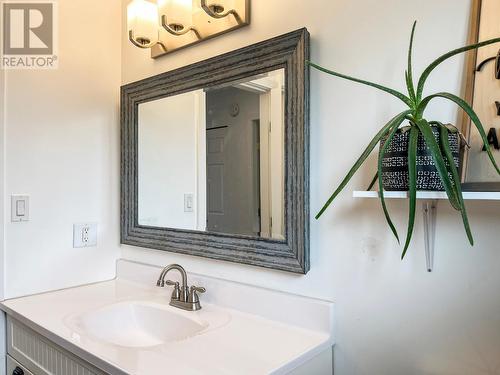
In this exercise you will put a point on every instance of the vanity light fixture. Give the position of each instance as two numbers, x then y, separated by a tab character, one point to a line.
177	16
167	25
142	19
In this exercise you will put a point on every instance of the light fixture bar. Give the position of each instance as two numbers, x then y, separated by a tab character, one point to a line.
140	42
165	27
179	30
218	11
145	43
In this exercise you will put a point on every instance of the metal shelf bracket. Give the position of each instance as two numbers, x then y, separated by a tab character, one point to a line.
429	210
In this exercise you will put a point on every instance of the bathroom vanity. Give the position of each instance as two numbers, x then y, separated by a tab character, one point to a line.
126	326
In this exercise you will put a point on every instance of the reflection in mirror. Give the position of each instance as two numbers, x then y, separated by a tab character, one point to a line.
213	160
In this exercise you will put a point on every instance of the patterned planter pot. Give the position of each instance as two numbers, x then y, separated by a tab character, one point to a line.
395	162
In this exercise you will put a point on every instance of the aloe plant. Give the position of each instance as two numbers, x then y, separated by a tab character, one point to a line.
417	105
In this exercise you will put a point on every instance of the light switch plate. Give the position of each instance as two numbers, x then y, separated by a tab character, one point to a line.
189	202
85	235
20	208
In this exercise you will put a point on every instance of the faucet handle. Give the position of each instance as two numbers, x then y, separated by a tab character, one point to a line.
176	294
193	296
198	289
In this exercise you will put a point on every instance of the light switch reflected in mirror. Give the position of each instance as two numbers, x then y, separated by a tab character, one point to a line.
213	160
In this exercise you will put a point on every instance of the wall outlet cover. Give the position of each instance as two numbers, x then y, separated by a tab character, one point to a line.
85	235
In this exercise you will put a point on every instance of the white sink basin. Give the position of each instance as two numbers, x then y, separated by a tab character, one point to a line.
140	324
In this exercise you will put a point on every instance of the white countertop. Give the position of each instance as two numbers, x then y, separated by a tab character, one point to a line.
248	342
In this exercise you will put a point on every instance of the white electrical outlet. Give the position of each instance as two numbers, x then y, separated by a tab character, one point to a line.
84	235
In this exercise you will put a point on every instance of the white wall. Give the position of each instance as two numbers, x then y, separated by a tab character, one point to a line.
62	147
3	323
167	161
392	316
2	180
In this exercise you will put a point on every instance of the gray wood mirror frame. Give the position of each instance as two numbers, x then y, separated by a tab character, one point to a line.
288	52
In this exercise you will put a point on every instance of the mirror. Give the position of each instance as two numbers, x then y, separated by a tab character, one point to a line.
213	159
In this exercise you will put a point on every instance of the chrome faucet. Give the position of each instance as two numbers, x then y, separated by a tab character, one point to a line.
183	297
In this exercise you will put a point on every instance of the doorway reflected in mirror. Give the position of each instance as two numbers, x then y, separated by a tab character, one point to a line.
213	159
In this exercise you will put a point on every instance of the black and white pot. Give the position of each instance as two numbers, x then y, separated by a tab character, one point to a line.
395	162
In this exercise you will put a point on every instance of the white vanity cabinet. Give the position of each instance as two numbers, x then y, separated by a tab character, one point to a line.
29	353
15	368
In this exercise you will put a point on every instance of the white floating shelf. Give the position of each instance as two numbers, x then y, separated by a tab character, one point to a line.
429	210
429	195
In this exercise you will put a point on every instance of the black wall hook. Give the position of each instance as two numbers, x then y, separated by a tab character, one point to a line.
497	64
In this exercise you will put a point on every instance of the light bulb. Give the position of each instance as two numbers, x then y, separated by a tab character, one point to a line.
178	12
142	20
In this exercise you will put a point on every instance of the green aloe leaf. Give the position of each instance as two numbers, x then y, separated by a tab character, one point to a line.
431	142
397	94
470	112
409	85
412	182
375	178
445	144
396	120
409	72
435	63
382	152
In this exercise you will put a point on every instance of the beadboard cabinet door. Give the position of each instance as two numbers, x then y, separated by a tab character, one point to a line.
41	356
